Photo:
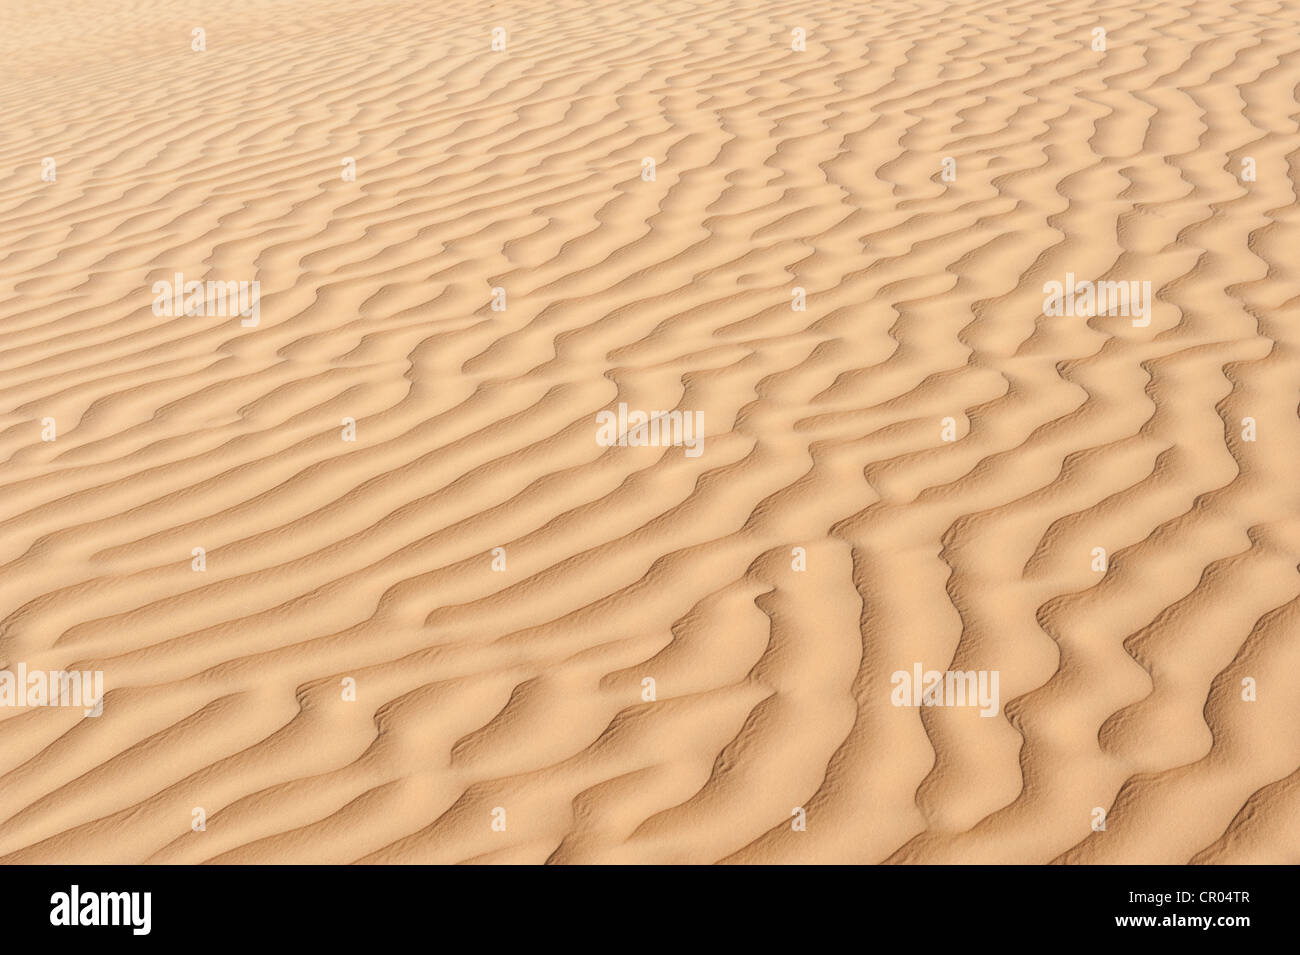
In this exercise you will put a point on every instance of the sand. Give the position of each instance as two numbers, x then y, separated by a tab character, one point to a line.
430	643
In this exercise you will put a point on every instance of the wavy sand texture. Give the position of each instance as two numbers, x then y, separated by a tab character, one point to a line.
479	688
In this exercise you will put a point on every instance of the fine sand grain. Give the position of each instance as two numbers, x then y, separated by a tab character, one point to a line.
355	672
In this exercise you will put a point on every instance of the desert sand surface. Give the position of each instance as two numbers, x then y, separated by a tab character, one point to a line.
426	636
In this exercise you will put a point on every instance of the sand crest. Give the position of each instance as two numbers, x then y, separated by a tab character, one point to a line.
497	495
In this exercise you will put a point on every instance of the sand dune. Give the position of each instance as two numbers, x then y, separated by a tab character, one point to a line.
430	644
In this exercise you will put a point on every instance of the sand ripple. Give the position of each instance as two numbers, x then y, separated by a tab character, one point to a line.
522	688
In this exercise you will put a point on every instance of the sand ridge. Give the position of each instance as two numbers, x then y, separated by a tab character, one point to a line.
828	535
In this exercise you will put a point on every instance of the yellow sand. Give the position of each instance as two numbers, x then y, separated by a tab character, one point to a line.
522	689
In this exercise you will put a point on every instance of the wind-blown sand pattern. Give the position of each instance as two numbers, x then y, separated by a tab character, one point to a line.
475	429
